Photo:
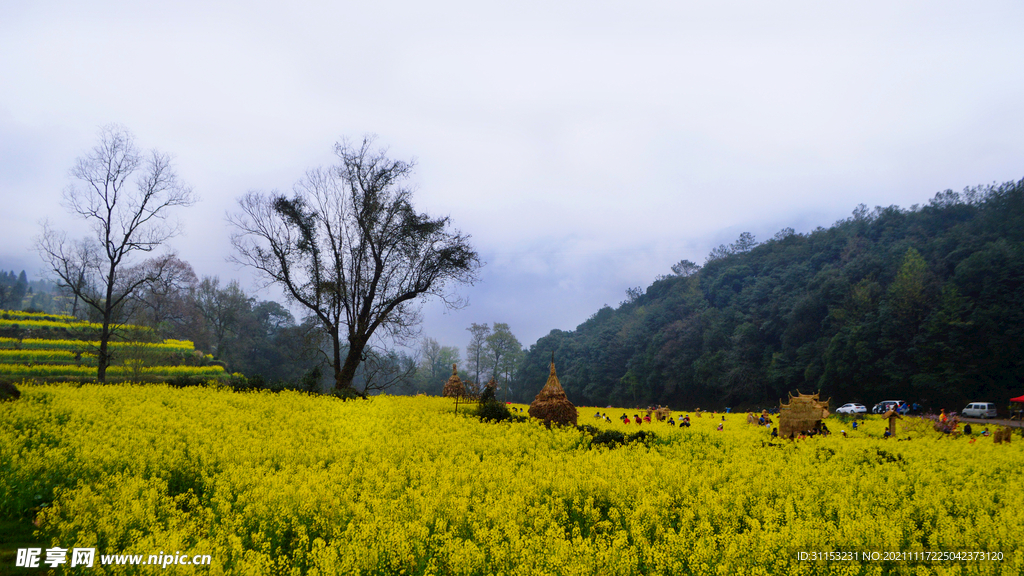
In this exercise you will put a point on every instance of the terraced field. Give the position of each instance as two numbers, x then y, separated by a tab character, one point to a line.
49	347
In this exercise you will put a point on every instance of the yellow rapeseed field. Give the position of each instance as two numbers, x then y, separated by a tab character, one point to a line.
78	345
296	484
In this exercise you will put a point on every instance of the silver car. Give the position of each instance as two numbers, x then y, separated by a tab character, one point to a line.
852	409
980	410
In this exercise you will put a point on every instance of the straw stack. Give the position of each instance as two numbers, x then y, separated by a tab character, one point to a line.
551	404
804	412
453	388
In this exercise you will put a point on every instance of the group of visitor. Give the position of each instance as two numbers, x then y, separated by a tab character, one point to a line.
683	422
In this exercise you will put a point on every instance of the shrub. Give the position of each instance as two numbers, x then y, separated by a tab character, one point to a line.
493	411
609	438
8	391
346	394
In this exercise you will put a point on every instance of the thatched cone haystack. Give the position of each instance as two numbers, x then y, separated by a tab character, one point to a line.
453	388
803	412
551	403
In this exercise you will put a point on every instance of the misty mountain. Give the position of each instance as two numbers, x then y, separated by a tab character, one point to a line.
924	304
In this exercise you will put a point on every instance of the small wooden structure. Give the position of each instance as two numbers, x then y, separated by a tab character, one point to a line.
551	403
660	413
892	415
804	412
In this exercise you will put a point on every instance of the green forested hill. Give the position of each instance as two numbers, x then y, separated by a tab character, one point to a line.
924	304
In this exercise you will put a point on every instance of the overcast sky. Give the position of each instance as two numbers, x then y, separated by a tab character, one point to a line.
585	146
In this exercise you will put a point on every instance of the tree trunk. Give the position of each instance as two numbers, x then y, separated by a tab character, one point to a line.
344	375
103	358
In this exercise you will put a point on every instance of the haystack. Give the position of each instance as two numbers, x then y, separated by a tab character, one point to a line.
551	403
453	388
1002	435
804	412
662	413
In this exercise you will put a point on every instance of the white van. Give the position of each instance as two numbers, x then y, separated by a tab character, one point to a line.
980	410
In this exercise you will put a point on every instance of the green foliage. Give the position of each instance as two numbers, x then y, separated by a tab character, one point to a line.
8	391
614	438
12	289
346	393
494	411
925	304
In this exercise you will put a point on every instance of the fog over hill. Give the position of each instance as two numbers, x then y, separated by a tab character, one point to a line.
585	147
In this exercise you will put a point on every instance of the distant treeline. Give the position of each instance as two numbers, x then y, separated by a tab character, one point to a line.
923	304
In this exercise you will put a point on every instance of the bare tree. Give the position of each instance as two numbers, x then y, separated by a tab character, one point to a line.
350	248
224	310
382	369
125	195
164	301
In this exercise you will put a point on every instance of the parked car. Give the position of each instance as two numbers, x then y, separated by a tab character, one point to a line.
852	409
884	406
980	410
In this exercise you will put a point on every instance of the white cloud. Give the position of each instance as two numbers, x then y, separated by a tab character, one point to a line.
586	146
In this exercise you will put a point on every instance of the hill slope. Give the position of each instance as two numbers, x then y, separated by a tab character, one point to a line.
925	304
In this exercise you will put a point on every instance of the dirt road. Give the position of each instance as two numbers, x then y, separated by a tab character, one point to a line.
1011	423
